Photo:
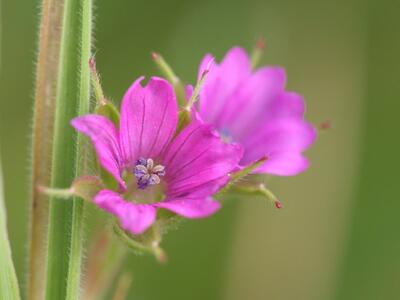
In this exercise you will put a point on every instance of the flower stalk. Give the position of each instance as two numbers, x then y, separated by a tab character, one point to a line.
83	155
43	118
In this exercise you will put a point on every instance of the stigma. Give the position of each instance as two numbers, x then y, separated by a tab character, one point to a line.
147	173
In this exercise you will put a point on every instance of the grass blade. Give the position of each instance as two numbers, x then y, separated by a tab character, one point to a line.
8	280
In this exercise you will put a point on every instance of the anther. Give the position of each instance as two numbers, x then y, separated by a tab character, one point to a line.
147	173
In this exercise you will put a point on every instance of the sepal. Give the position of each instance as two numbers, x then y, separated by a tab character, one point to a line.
235	177
104	107
108	110
257	189
145	243
87	187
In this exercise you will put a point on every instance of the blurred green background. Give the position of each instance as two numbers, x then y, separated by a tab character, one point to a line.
337	237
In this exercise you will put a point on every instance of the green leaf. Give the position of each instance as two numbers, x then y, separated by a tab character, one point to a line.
8	280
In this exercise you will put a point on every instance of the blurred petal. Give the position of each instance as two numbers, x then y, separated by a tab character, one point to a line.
222	82
251	104
287	105
280	140
188	91
254	110
148	119
135	218
191	208
104	136
285	164
197	156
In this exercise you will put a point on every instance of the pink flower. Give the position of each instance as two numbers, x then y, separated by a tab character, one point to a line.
155	168
254	110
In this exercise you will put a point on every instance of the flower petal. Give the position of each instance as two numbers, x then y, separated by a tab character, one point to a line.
222	82
197	156
252	101
104	136
135	218
287	105
282	141
191	208
285	164
148	119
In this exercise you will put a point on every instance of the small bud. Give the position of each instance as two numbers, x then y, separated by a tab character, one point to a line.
159	253
326	125
278	204
260	43
154	55
258	52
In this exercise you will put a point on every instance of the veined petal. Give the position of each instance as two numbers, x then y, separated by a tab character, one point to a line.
252	101
104	136
282	141
222	82
135	218
148	119
197	156
191	208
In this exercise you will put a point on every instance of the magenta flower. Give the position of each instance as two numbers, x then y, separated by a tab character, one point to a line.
254	110
155	168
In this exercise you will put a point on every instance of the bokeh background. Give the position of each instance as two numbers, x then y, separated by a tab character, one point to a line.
338	235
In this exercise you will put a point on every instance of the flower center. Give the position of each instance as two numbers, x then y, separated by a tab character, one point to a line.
225	135
147	173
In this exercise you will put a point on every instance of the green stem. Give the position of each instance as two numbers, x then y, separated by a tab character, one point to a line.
8	279
122	289
83	153
63	158
196	92
105	260
42	129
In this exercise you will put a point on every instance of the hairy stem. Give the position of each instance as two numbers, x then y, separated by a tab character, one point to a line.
43	118
63	167
83	153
